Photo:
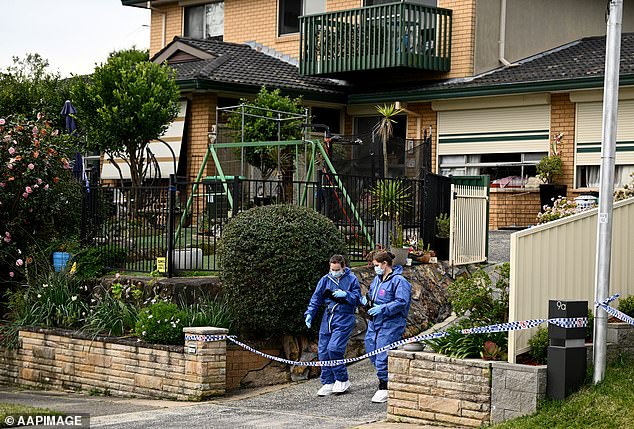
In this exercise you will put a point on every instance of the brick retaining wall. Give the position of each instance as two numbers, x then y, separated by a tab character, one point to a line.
68	361
435	389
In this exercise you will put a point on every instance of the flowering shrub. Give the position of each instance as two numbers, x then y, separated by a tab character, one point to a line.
39	200
161	323
626	192
562	207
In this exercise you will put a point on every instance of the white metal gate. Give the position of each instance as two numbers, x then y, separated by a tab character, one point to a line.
468	231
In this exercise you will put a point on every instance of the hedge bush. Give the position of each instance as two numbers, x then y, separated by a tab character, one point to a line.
626	305
271	259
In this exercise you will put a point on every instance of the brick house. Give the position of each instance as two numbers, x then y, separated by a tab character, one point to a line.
495	80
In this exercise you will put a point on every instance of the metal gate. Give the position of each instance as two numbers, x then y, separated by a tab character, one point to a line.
469	217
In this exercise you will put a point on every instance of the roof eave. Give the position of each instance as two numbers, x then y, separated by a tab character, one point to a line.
485	90
211	85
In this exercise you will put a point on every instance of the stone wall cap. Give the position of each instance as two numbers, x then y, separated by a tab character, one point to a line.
205	330
518	366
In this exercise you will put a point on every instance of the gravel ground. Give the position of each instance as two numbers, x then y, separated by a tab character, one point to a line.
500	246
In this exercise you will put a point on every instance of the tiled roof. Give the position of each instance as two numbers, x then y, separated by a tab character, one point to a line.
242	65
578	61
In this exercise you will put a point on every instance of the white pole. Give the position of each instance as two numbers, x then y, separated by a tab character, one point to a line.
606	200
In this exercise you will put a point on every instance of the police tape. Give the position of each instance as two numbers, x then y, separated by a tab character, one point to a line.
613	311
574	322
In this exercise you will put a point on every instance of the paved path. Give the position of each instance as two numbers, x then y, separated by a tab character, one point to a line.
278	407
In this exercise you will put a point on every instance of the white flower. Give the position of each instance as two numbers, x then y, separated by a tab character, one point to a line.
74	298
143	333
45	285
39	296
150	316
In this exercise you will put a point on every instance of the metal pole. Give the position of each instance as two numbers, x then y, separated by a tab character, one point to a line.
606	200
242	140
171	204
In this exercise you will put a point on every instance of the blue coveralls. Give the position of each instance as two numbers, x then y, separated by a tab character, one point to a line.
337	323
385	328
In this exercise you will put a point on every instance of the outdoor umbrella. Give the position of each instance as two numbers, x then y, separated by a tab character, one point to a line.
68	110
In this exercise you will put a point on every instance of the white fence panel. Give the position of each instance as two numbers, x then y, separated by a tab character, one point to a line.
557	260
468	230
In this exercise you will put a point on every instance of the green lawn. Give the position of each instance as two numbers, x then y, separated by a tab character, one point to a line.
607	405
15	410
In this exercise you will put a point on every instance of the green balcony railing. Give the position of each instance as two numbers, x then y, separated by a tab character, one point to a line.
376	37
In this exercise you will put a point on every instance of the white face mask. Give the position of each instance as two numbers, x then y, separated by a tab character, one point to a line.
378	270
336	274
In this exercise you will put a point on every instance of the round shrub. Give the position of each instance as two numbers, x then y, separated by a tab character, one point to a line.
538	344
161	323
271	259
626	305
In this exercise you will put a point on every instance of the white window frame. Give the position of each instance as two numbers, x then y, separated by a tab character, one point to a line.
204	18
303	12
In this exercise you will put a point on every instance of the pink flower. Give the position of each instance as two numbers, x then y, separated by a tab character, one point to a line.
11	274
19	262
10	166
39	181
35	186
7	237
11	150
31	166
2	121
39	115
46	186
28	190
25	195
35	130
2	184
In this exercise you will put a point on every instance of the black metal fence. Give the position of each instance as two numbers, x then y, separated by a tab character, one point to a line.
183	221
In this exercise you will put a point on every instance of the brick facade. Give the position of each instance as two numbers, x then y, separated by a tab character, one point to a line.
240	362
462	37
202	115
562	120
509	208
173	15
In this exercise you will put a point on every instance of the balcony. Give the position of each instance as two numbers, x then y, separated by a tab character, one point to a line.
394	35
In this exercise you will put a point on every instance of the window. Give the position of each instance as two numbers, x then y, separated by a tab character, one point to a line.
205	21
511	170
291	10
588	176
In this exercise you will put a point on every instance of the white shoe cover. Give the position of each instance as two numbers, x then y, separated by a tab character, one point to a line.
380	396
340	386
325	390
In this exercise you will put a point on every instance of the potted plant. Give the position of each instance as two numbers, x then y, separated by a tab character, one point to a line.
443	227
549	169
390	199
422	254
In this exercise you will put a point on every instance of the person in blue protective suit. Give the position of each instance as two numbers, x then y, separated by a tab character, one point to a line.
388	302
339	290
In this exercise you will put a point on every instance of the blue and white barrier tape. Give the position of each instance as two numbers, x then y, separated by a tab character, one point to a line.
577	322
571	322
613	311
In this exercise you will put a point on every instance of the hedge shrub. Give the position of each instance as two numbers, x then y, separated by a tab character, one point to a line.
271	259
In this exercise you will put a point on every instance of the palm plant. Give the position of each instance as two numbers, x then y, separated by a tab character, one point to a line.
385	127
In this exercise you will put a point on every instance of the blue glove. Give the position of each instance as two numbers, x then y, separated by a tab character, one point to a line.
377	309
364	301
339	293
308	319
